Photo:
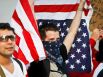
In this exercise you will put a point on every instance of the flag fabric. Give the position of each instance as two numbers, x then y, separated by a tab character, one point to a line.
29	46
61	14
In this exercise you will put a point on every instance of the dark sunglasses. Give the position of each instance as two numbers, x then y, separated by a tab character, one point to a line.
5	38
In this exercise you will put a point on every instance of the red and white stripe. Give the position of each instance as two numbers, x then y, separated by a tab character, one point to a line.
29	46
60	10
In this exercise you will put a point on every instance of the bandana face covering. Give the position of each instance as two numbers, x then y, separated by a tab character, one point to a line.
53	51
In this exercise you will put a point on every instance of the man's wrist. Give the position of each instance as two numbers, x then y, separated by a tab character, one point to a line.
80	9
81	5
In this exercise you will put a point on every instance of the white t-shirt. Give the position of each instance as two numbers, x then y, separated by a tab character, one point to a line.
98	69
17	70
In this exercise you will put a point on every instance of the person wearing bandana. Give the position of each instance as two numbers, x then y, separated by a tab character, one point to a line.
56	51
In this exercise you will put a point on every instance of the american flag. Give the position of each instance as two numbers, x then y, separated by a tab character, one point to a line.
29	46
61	14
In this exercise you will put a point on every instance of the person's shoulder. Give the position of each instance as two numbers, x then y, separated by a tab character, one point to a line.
63	52
100	74
63	48
18	60
98	71
20	63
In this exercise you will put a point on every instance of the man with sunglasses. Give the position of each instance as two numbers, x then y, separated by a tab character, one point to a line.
8	66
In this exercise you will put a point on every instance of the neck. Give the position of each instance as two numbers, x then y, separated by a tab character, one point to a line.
5	60
7	63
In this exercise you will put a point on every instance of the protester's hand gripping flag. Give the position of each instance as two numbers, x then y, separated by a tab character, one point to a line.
28	43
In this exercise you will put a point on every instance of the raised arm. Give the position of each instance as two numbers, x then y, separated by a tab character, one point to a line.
74	27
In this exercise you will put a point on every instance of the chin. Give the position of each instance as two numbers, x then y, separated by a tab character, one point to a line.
9	53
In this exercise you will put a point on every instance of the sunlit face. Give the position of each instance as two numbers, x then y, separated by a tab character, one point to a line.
7	47
52	36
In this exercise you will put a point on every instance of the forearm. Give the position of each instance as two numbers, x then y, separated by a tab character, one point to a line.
74	27
77	19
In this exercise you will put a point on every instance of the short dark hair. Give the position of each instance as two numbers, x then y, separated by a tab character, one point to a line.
47	27
7	26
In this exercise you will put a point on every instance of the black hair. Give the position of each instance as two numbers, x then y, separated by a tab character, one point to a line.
99	55
7	26
47	27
